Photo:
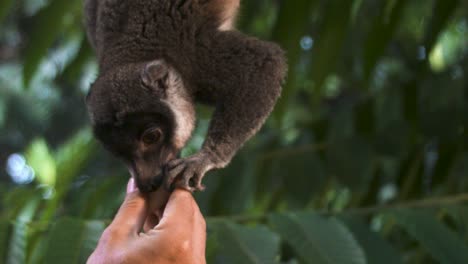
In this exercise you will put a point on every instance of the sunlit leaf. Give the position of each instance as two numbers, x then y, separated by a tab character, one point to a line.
439	241
318	239
443	9
239	244
41	160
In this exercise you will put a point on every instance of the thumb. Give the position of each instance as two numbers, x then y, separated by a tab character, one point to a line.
132	212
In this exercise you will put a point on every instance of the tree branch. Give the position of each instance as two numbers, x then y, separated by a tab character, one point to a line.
422	203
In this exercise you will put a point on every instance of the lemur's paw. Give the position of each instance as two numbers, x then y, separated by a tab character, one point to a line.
187	173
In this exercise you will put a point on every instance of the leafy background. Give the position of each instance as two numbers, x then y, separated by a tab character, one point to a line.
365	159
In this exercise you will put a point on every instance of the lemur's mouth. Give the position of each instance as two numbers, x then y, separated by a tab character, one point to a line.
150	185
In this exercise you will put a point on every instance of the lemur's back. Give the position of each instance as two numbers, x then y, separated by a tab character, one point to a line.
154	22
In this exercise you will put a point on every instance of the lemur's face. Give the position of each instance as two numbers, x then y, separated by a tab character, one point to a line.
143	142
143	115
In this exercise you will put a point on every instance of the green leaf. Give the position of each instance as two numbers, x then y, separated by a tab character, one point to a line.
49	23
37	246
72	241
73	70
458	173
43	163
19	240
4	237
439	241
91	234
73	155
236	188
317	239
238	244
364	118
99	191
18	244
351	161
459	214
70	159
330	41
301	173
443	9
16	199
290	27
5	7
377	250
383	28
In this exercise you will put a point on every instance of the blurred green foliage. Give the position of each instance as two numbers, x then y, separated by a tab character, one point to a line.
365	159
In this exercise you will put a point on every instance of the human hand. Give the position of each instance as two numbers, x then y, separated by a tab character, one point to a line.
178	236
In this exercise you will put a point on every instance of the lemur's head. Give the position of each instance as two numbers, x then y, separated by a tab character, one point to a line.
144	115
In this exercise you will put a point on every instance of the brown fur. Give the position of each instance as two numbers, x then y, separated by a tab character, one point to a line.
241	76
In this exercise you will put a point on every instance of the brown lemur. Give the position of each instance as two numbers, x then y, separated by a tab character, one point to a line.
157	58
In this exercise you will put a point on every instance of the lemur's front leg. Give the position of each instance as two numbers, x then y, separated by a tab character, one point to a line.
245	76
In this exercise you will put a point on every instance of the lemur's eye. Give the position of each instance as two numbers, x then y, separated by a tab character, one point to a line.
151	136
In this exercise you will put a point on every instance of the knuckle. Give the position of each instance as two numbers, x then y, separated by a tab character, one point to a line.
132	201
111	234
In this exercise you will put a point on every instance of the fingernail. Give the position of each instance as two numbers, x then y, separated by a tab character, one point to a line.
131	187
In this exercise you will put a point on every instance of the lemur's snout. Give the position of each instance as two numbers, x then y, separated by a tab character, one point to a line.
149	184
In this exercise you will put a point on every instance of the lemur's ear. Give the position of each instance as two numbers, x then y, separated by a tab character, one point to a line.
154	72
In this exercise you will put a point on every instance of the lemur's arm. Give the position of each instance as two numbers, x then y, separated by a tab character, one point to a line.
244	77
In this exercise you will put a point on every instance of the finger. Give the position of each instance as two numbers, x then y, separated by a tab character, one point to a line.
151	221
132	212
156	203
181	210
172	177
199	236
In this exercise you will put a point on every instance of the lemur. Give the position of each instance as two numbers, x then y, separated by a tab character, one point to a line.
156	59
